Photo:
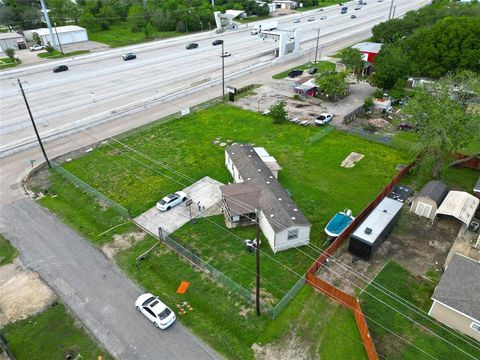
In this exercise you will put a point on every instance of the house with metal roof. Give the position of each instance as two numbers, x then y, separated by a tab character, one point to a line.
280	219
456	299
429	199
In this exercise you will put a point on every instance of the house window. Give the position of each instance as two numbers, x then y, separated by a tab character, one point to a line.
475	326
235	218
292	234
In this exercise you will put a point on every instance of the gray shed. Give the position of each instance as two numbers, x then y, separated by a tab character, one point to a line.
429	199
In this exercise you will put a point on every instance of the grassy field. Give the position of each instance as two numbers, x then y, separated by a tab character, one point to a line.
52	334
417	291
120	35
58	55
320	65
7	251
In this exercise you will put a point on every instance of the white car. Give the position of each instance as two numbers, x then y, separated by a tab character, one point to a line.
323	118
171	200
226	54
37	47
324	17
311	18
358	8
155	310
296	21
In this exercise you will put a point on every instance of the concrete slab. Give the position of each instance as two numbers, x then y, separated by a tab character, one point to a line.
205	192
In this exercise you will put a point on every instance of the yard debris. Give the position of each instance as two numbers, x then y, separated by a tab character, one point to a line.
351	160
379	123
184	307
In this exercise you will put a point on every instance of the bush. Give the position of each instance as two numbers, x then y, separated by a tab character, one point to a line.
279	112
368	103
36	38
49	48
378	94
11	54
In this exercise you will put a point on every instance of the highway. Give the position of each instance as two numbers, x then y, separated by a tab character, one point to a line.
101	87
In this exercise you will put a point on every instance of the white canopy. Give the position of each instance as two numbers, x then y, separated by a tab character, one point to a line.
459	204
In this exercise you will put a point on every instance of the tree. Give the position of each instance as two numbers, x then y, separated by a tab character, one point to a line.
398	90
279	112
332	84
444	128
36	38
391	65
11	54
136	19
49	48
352	58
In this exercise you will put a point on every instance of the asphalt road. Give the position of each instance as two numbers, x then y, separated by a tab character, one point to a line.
102	87
93	287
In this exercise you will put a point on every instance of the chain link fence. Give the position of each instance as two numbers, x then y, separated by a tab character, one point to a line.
95	193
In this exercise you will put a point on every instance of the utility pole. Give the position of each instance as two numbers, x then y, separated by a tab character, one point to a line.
47	20
390	11
56	32
394	8
33	123
257	265
223	70
316	48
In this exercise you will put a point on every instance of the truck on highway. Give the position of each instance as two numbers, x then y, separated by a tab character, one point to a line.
265	26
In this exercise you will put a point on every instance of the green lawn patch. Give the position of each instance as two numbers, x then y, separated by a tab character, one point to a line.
7	63
417	291
322	66
121	35
58	55
7	251
52	334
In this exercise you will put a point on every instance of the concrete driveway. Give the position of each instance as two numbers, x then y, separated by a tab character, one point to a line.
206	191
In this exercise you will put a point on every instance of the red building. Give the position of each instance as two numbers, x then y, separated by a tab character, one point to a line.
369	51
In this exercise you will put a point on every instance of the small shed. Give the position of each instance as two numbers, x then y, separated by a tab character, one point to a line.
459	204
371	233
239	204
429	199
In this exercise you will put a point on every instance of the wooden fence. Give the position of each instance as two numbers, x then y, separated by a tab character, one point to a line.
339	295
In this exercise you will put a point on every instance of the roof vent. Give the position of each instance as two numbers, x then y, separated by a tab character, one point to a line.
293	218
233	153
271	177
368	231
279	199
272	215
295	209
259	169
384	210
249	179
268	182
249	155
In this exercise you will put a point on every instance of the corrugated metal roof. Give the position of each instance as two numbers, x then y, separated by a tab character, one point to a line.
459	204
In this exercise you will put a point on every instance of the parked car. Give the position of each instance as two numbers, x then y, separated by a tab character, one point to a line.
296	21
226	54
312	70
192	46
60	68
323	118
295	73
155	310
129	56
37	47
171	200
217	42
353	16
324	17
311	18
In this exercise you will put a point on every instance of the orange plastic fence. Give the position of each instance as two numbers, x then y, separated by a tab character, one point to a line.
337	294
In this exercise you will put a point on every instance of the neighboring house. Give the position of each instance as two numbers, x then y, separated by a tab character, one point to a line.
369	52
460	205
11	40
281	222
429	199
456	299
67	34
285	4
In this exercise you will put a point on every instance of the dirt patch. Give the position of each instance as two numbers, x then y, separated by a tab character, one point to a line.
291	348
23	293
122	242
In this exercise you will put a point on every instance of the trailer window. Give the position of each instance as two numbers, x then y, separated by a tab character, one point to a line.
292	234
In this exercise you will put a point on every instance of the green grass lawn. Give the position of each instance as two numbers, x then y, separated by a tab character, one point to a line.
417	291
120	35
52	334
7	251
320	65
7	63
58	55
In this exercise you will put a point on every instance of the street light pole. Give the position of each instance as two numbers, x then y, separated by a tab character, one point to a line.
316	48
34	126
390	11
223	71
59	44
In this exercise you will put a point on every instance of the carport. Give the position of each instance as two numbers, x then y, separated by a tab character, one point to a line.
205	192
460	205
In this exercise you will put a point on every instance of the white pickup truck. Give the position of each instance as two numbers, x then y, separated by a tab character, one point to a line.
265	26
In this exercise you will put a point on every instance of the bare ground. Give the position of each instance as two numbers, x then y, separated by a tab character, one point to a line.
122	242
23	293
289	349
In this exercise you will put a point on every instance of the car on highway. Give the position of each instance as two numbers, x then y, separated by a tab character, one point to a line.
324	17
192	46
358	8
171	200
320	10
217	42
226	54
129	56
323	118
37	47
155	310
311	18
60	68
296	21
353	16
295	73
